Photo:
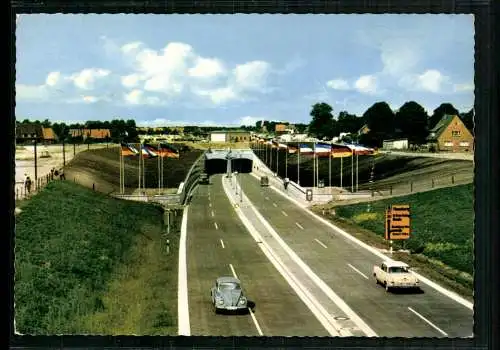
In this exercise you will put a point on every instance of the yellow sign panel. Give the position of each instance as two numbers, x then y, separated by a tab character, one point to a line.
398	222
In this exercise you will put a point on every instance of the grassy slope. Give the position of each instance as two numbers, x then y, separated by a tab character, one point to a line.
442	226
103	167
386	166
77	254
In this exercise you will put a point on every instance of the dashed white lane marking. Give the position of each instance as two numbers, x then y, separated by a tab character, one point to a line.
284	213
429	322
320	243
210	205
299	225
275	205
267	198
249	310
255	322
216	227
232	270
213	213
222	243
355	269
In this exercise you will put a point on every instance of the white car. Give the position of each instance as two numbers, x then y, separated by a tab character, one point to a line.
395	274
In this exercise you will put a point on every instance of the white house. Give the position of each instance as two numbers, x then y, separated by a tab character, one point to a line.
395	144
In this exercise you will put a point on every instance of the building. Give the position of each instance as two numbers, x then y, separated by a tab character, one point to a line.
98	134
450	134
230	136
30	132
395	144
280	128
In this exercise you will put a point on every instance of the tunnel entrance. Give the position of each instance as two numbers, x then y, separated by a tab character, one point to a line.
219	166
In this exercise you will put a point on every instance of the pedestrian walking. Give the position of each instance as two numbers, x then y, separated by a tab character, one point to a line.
27	185
286	182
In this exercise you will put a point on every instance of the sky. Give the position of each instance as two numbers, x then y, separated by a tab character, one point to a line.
237	69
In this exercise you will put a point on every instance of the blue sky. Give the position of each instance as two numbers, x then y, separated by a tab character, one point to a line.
237	69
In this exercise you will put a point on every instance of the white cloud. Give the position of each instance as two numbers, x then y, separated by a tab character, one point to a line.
207	68
53	78
366	84
130	80
338	84
431	80
218	95
86	78
131	47
134	96
138	97
250	121
90	99
251	75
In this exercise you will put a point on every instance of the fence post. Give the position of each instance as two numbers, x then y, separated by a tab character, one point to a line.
93	186
390	190
453	179
17	193
411	187
432	182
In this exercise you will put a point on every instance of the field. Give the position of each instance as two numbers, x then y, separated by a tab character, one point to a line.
102	168
90	264
442	226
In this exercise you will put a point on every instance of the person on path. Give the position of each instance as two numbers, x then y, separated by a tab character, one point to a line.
286	182
27	185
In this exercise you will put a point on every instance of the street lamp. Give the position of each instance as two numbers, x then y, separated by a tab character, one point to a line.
236	182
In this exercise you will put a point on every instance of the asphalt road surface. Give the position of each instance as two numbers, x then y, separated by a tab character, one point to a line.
217	244
347	269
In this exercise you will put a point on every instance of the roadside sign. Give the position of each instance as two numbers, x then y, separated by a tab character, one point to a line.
397	222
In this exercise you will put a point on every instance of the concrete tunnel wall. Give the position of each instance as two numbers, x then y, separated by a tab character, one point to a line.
219	166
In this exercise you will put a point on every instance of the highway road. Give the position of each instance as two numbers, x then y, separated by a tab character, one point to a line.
219	244
347	269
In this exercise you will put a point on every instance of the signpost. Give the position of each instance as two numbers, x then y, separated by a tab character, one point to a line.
397	223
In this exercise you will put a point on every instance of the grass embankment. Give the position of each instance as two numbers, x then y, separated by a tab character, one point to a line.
386	166
442	236
102	167
90	264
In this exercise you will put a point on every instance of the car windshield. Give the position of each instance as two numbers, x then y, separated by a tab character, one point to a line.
398	269
229	285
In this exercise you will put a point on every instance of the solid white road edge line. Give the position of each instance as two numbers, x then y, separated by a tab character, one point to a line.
450	294
259	330
314	306
429	322
320	243
355	269
184	328
222	244
216	227
232	270
255	322
299	225
318	281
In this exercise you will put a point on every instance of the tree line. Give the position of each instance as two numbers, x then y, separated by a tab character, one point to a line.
411	121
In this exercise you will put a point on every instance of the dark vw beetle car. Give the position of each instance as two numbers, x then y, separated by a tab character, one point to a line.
227	295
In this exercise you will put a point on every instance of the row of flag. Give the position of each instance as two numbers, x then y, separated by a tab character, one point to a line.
149	151
320	149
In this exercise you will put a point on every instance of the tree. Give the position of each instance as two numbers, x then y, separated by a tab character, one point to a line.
380	120
412	119
349	123
322	123
437	115
468	119
301	128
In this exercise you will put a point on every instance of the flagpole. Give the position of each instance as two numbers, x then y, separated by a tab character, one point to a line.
314	164
341	169
357	172
277	160
140	155
143	174
159	169
120	155
352	171
286	161
298	164
330	168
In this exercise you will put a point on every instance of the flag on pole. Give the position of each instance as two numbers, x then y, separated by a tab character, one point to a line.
292	149
323	149
340	151
169	151
305	149
126	150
